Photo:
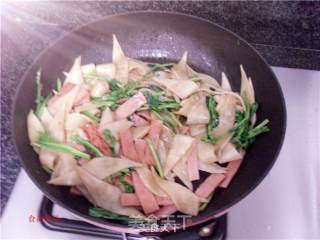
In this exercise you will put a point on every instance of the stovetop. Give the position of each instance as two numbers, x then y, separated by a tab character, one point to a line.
284	206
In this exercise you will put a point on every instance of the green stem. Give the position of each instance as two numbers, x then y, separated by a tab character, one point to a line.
155	157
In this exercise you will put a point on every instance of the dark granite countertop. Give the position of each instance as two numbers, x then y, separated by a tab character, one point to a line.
285	33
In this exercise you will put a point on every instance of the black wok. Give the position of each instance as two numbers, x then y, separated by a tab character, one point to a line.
159	37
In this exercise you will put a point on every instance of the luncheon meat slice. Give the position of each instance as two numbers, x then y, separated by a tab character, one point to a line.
127	145
165	211
233	167
192	163
138	121
95	138
155	132
130	106
209	185
132	200
146	198
141	146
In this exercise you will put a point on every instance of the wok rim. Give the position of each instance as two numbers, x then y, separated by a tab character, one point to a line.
110	225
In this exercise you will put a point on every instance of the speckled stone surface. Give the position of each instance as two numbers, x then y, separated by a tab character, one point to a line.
285	33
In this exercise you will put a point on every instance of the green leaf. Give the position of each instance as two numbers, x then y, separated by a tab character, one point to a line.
118	92
40	100
91	116
45	141
58	85
91	148
110	140
213	121
158	102
155	157
244	134
204	205
102	213
128	188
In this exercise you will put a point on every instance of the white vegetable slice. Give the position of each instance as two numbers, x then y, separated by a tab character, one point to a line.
65	173
150	182
187	104
106	195
106	166
206	152
56	127
75	74
211	167
184	200
48	158
229	153
226	108
99	88
139	132
76	120
137	69
181	70
179	147
181	89
246	86
225	84
88	68
198	130
199	113
106	118
106	70
35	128
120	61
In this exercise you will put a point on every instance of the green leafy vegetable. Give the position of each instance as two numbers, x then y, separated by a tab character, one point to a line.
204	205
155	157
58	85
110	140
128	188
158	102
213	121
118	92
91	116
91	148
40	100
154	67
94	75
45	141
244	133
102	213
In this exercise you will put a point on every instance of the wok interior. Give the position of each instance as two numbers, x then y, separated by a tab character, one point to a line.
159	37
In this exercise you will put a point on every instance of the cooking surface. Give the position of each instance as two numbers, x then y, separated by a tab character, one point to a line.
285	205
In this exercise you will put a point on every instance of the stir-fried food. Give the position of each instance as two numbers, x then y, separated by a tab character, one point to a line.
133	137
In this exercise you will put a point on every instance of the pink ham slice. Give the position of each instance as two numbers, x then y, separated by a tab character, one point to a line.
132	200
233	167
74	190
82	97
141	149
148	157
165	211
183	130
139	121
209	185
127	145
145	115
144	155
155	132
130	106
128	179
192	164
146	198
